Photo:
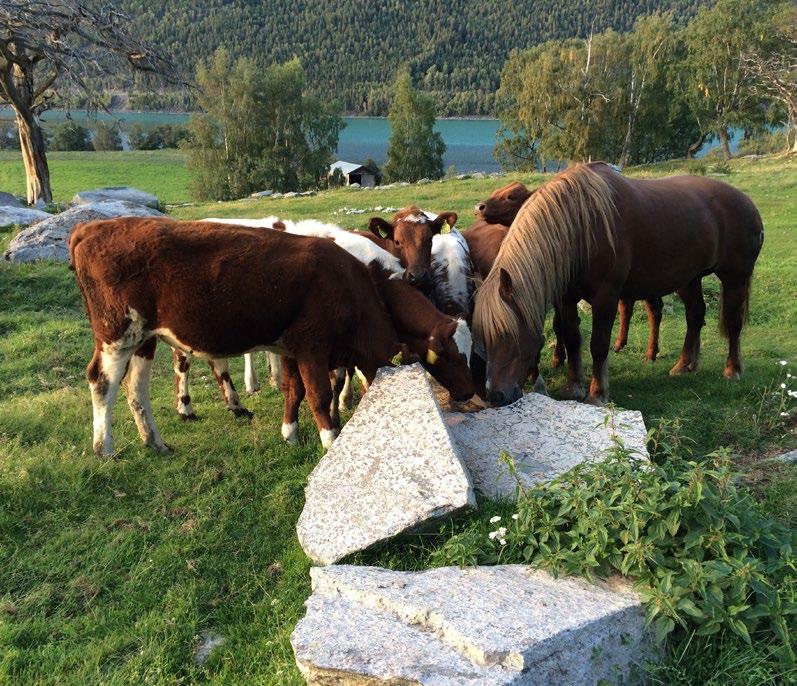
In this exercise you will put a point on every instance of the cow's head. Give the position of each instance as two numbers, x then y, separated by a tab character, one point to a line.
411	233
446	357
504	204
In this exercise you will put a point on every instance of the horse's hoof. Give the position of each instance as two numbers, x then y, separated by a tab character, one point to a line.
732	374
189	417
681	369
242	412
597	400
573	392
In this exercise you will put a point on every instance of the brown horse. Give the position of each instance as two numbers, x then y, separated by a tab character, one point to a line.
592	234
494	216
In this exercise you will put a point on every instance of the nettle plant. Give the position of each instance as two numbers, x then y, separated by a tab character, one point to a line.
704	558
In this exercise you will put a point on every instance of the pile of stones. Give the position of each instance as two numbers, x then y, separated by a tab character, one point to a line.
399	466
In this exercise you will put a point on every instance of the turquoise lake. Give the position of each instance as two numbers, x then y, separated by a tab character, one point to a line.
469	142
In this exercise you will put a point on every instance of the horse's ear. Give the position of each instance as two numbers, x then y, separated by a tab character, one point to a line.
505	285
380	228
441	220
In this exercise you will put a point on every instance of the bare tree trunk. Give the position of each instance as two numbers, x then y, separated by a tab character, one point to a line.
629	132
34	157
692	149
724	143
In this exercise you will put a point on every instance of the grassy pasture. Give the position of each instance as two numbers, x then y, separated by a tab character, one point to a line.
112	571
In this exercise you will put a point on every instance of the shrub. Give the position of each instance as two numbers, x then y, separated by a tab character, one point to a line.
721	167
157	137
106	137
70	136
704	559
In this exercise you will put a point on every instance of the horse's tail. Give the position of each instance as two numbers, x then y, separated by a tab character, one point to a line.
743	316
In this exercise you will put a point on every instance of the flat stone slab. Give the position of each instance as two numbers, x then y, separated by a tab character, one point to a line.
545	437
125	193
47	240
9	200
393	469
11	215
485	626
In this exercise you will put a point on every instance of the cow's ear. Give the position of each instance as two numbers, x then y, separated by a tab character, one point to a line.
505	289
442	219
380	228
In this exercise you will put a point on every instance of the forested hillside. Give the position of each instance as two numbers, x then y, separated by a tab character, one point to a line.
351	50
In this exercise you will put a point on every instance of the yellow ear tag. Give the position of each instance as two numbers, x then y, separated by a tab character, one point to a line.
446	228
431	356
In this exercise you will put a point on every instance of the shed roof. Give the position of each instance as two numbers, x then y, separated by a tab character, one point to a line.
345	167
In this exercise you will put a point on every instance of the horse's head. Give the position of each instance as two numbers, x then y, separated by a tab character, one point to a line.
446	358
512	349
504	204
411	232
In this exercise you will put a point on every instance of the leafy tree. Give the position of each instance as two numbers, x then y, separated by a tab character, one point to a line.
259	129
719	89
49	43
70	135
415	150
106	137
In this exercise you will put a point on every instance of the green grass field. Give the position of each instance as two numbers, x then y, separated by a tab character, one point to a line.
111	571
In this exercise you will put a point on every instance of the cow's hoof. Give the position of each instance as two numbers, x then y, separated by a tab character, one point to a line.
597	400
732	374
617	347
557	361
189	417
161	448
683	368
242	412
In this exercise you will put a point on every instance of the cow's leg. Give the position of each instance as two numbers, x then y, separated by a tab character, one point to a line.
559	352
604	311
274	370
251	381
347	393
692	296
363	377
625	309
137	381
105	372
337	380
221	370
182	364
571	335
315	374
654	307
293	390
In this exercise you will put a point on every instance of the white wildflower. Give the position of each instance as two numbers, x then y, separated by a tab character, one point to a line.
495	519
792	394
783	385
783	363
502	541
492	535
784	414
515	516
502	531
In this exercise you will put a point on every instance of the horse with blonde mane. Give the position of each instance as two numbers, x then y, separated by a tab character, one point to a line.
593	234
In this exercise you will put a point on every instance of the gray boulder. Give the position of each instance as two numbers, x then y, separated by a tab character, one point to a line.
261	194
125	193
393	469
14	215
8	200
485	626
47	240
545	437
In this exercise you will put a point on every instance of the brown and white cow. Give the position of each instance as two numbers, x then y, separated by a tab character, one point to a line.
409	237
215	292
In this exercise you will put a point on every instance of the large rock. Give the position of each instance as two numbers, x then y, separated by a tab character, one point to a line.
124	193
545	437
393	468
454	627
8	200
11	215
47	240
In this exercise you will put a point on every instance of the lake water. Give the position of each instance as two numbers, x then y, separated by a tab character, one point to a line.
469	142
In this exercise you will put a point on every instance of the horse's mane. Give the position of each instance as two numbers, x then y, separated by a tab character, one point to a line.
549	241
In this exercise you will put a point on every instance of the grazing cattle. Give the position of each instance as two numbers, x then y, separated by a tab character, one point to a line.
592	233
409	238
214	292
452	275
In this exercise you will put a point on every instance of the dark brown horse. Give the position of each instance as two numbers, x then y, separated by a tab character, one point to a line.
494	216
592	234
